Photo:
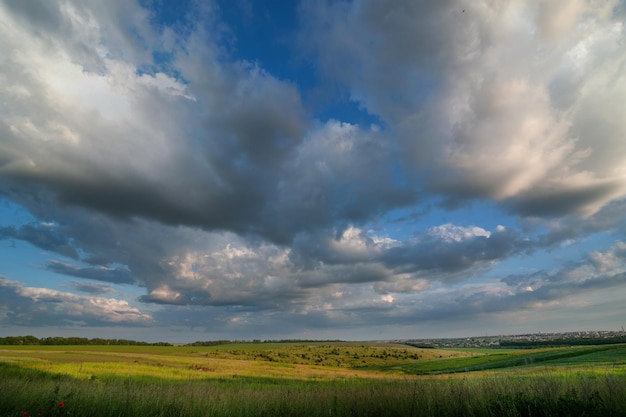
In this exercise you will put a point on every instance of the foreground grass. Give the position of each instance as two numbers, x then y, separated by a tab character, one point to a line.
339	379
503	394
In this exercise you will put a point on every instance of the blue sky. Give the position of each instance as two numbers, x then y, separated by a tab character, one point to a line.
365	169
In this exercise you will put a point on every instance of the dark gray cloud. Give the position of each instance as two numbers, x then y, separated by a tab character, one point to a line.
448	252
43	235
106	274
92	288
444	253
571	228
562	201
41	15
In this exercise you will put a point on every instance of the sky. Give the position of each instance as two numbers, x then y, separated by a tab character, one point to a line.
354	169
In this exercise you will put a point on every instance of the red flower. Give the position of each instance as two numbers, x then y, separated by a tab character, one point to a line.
25	414
61	404
41	412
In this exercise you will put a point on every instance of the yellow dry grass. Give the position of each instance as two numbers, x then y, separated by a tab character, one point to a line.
315	361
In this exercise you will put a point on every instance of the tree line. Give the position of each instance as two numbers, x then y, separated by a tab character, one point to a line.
32	341
60	341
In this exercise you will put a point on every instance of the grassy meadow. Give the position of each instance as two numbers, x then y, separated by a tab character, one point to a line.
311	379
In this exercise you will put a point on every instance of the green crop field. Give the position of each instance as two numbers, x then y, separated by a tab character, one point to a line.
311	379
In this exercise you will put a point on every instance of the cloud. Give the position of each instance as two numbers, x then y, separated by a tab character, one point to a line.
570	228
43	235
208	143
102	273
340	174
512	102
91	288
447	250
611	260
516	293
188	266
32	306
122	142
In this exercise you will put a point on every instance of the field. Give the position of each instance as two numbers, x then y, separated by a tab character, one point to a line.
311	379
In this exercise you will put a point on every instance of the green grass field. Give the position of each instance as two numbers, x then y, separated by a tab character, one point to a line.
311	379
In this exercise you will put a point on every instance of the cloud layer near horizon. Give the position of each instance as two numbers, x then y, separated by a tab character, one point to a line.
151	155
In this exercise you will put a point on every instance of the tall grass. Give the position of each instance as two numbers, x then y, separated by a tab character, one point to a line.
497	394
